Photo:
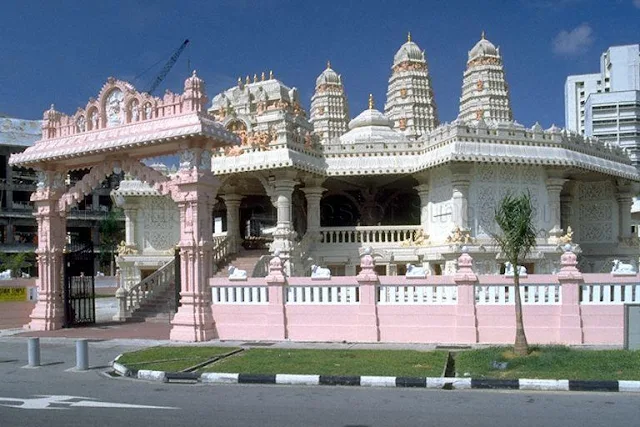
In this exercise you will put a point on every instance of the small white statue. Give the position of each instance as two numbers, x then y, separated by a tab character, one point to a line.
236	273
25	275
5	275
318	272
508	270
622	268
415	272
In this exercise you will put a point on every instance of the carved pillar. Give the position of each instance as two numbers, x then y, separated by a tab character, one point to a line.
554	188
48	313
567	217
625	200
460	196
313	196
95	202
423	192
194	189
232	202
284	235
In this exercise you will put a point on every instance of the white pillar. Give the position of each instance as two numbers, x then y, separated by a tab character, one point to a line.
625	200
130	225
554	188
232	202
423	192
460	197
313	196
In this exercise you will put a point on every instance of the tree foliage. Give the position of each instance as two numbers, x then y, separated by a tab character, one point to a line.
514	216
15	262
111	234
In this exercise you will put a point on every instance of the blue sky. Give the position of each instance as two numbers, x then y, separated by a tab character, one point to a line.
62	51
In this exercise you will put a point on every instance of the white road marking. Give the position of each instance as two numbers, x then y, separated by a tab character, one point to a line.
44	402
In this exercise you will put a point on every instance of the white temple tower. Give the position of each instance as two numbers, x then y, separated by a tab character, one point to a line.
410	101
485	93
329	109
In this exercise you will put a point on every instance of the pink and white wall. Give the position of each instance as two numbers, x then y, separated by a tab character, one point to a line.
567	308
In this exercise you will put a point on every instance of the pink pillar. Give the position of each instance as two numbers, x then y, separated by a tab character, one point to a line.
570	279
466	279
48	314
194	190
276	315
368	330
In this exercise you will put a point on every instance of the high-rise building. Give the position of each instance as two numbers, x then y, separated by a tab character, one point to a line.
607	104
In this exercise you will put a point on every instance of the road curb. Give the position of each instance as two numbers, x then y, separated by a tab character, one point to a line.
524	384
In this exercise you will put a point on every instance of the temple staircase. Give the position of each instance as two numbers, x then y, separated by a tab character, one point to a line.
153	299
253	261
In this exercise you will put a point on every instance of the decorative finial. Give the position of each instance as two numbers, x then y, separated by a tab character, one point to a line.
482	35
239	82
409	36
370	101
270	75
193	74
328	64
262	76
255	78
247	80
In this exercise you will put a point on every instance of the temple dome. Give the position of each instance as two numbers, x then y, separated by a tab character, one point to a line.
483	48
370	117
372	126
408	52
328	76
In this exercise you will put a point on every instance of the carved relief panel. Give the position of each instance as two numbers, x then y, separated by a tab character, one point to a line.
597	212
158	224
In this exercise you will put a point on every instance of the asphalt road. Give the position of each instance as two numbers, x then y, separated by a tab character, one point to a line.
90	398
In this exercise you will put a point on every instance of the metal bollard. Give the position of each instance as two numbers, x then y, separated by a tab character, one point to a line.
82	355
34	352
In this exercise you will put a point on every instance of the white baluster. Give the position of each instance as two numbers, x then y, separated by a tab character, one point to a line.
628	293
307	294
492	294
263	294
401	295
325	295
334	294
246	294
597	292
316	294
352	295
617	294
393	299
254	294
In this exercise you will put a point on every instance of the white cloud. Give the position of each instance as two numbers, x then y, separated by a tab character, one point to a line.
573	42
636	3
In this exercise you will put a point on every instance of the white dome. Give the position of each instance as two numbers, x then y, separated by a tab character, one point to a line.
370	117
328	76
483	48
371	126
408	52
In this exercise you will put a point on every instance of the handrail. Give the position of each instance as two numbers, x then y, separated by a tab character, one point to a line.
157	281
261	269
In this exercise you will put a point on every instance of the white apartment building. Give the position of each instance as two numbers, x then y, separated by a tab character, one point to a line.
607	104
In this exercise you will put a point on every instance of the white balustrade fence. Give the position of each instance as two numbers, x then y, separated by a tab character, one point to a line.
322	295
374	234
543	294
239	295
424	295
610	293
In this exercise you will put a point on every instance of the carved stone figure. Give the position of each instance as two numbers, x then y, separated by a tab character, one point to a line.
148	111
114	108
135	112
458	235
318	272
236	273
94	120
418	239
415	272
81	124
508	270
568	237
622	268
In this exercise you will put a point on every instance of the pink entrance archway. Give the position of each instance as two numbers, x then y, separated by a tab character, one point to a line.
116	131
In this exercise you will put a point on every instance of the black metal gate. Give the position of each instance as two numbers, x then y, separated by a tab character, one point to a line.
79	291
177	277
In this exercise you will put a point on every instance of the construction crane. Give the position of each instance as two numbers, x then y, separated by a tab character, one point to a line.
167	67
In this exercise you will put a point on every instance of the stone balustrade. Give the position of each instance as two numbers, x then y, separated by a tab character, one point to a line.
371	235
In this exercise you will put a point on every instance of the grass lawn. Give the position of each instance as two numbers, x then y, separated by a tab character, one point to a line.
171	359
407	363
551	363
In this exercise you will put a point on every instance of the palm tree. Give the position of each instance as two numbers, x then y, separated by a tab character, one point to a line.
514	216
